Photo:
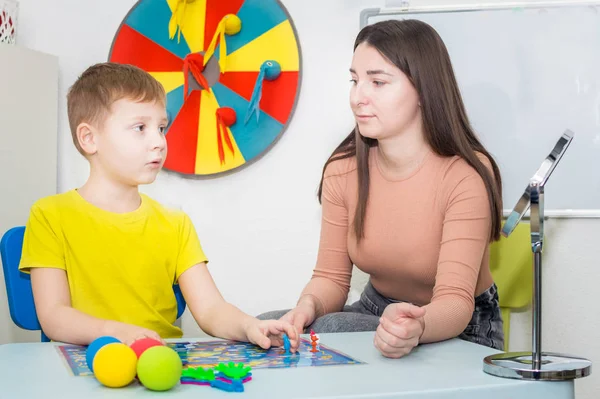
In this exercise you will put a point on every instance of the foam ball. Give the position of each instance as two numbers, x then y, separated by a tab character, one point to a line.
94	347
233	24
272	69
159	368
227	115
115	365
142	344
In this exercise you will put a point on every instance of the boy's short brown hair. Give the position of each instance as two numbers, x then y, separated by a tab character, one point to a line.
91	96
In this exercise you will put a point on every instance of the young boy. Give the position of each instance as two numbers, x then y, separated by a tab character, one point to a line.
103	258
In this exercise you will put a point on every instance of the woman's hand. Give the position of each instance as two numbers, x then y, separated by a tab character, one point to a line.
400	328
301	316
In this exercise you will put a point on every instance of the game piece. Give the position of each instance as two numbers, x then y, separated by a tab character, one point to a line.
115	365
159	368
233	386
198	373
234	371
286	343
140	345
193	381
313	338
94	347
230	377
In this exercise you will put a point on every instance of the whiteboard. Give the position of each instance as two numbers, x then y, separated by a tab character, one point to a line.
527	74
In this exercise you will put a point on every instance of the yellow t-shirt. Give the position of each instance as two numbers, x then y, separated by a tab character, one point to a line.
120	266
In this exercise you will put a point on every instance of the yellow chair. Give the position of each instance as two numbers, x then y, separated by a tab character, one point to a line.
511	264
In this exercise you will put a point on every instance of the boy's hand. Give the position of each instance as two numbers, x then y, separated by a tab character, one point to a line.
128	333
267	333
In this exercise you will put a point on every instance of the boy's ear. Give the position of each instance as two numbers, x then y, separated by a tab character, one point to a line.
86	135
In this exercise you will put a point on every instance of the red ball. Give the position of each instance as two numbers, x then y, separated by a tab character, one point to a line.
142	344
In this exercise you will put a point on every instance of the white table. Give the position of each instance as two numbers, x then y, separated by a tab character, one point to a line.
446	370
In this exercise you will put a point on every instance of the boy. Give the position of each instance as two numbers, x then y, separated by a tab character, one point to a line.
103	258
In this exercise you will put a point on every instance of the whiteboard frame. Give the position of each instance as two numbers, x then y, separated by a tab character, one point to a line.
374	12
367	13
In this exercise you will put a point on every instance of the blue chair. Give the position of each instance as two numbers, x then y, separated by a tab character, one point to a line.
18	284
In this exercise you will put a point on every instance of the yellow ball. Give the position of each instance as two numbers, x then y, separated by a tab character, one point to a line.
233	24
115	365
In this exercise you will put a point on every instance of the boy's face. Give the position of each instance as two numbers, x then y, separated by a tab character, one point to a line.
130	146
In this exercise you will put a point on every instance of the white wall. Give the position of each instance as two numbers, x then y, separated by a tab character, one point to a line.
260	227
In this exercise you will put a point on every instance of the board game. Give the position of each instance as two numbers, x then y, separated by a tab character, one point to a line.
211	353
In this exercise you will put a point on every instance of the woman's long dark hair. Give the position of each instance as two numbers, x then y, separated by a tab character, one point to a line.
419	52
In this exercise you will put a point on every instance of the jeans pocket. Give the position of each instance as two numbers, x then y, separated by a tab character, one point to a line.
369	305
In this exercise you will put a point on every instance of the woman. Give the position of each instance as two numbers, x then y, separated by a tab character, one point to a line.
410	197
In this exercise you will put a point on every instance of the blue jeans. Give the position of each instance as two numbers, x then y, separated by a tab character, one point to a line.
485	327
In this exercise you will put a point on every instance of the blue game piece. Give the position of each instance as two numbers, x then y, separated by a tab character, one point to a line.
234	386
94	347
286	343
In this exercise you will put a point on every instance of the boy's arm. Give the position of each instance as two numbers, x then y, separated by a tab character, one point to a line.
208	307
221	319
58	319
214	315
61	322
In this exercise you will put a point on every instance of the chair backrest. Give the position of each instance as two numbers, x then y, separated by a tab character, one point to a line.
512	268
18	284
180	300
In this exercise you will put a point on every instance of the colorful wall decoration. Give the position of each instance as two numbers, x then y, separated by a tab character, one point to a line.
231	69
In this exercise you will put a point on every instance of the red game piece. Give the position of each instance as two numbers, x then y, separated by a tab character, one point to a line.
142	344
313	339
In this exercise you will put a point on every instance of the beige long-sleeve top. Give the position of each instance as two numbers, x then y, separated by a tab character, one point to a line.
426	240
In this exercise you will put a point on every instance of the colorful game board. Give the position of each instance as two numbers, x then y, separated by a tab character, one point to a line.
211	353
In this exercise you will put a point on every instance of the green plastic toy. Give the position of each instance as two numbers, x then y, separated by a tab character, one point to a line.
233	371
198	373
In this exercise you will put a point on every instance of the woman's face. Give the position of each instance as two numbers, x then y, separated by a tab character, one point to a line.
382	98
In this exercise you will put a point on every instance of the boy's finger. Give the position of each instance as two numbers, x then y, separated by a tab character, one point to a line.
262	340
291	331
